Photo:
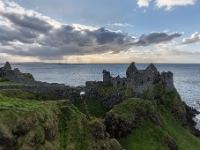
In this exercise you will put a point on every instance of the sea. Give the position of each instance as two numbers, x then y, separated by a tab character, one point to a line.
186	76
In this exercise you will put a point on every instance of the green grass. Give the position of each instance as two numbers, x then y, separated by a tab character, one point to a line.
128	108
110	90
17	104
70	128
95	107
16	93
3	79
30	115
11	83
184	139
147	136
26	76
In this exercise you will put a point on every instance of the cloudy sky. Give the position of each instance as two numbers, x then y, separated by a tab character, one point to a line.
104	31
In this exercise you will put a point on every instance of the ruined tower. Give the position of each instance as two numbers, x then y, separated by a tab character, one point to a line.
141	80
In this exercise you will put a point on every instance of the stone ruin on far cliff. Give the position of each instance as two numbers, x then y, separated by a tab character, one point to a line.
7	72
138	80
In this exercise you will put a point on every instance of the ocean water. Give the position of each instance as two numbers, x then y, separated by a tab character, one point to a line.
186	76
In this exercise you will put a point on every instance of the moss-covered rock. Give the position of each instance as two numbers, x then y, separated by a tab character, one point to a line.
27	76
125	117
173	102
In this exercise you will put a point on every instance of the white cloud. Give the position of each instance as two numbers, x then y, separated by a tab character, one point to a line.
7	7
144	11
195	38
121	25
171	3
143	3
168	4
46	39
1	5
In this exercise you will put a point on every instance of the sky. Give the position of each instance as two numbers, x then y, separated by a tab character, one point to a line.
104	31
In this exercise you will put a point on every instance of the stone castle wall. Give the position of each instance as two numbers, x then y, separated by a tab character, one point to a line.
14	75
139	80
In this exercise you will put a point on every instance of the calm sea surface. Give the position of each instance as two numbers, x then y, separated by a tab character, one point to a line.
186	76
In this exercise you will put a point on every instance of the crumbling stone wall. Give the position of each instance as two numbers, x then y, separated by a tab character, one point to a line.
141	80
167	81
14	75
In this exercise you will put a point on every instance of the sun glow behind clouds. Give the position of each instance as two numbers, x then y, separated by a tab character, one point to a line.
29	35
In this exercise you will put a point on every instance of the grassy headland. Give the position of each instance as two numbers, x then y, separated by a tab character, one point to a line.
154	121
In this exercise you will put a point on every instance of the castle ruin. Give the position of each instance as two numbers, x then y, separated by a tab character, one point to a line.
7	72
141	80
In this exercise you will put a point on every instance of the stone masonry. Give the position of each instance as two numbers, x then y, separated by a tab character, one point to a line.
141	80
138	80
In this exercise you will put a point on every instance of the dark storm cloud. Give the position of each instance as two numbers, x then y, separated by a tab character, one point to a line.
68	34
27	21
155	38
41	38
23	35
104	36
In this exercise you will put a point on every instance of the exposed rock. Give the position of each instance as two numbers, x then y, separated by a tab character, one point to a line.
171	144
99	131
21	128
120	124
27	76
49	135
8	143
190	114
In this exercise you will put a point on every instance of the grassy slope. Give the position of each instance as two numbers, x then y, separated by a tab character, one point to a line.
184	139
15	93
152	137
69	128
76	132
95	108
32	116
4	81
146	137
